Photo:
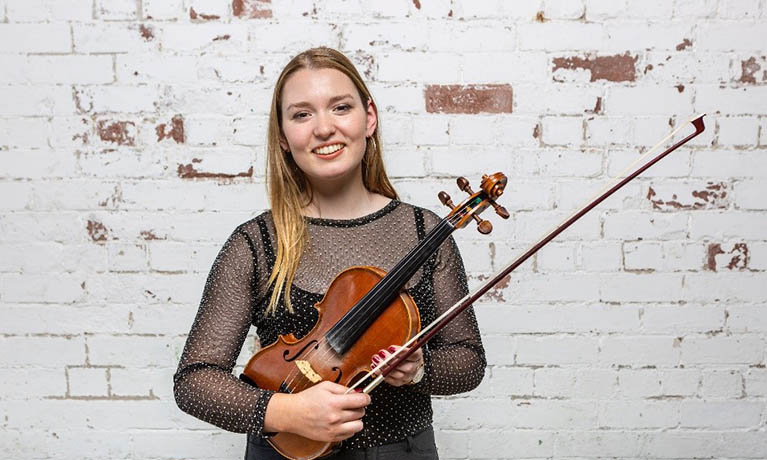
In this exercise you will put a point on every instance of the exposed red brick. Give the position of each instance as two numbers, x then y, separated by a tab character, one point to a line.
176	132
79	103
736	258
417	4
749	69
205	17
610	68
712	196
495	293
117	132
469	99
114	199
540	17
597	106
252	9
146	32
537	131
97	231
450	13
222	37
188	172
685	43
679	88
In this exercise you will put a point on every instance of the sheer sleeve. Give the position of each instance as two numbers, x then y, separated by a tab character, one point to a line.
204	385
454	357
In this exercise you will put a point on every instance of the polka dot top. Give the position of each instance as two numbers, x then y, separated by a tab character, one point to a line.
236	295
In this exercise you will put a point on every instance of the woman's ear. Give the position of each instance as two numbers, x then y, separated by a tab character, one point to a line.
372	119
284	144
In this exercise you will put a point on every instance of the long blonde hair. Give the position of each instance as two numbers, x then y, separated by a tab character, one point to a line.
290	191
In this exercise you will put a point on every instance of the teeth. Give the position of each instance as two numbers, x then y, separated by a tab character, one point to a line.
328	149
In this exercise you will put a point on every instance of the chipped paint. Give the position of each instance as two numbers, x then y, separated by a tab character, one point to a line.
713	196
189	172
252	9
114	199
686	43
749	69
148	235
147	33
469	99
117	132
176	132
540	17
97	231
193	15
679	87
537	131
417	4
736	258
611	68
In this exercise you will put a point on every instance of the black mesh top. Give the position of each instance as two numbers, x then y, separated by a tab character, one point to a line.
236	296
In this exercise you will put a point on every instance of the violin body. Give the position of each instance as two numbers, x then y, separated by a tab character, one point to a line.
292	364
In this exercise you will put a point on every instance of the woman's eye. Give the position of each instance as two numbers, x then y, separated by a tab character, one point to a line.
300	115
343	108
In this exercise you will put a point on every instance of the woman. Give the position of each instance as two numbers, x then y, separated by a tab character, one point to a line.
332	207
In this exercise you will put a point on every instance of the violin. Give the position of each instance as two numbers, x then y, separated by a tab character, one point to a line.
363	311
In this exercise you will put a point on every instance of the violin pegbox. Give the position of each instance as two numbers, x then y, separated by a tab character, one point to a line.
491	188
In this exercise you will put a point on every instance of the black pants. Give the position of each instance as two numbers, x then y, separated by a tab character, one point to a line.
420	446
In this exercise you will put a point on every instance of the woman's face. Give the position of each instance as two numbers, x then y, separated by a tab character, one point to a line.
325	124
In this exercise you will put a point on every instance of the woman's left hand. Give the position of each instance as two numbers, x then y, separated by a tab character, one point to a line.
405	372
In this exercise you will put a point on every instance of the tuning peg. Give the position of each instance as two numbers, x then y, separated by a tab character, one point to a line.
463	184
500	210
445	199
483	226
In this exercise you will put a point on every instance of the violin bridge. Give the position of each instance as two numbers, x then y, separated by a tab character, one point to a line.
307	370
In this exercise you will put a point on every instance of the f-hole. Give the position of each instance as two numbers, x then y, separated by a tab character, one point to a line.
286	353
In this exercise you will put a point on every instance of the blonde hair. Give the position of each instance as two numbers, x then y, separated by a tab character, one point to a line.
290	191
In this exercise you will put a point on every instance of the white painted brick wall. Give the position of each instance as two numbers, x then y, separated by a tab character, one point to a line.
639	333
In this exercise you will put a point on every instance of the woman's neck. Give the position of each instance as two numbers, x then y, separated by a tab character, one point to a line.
343	200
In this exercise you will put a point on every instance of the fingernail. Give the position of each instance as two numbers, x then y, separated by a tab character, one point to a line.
382	354
358	390
376	358
373	365
392	349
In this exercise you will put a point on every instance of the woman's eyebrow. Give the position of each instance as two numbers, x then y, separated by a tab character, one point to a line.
332	101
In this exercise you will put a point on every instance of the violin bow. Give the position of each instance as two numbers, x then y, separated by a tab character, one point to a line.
420	339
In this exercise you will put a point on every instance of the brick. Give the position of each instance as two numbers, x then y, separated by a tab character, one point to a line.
23	384
519	131
748	286
644	100
535	443
252	9
617	68
16	195
670	196
29	226
492	8
635	224
294	35
553	350
678	443
745	318
565	36
608	131
302	8
127	257
146	351
561	163
35	351
156	68
526	66
162	10
35	38
756	382
734	101
564	131
726	257
757	255
721	414
36	100
621	36
511	381
45	319
64	288
469	99
45	11
555	414
472	130
682	319
399	131
462	161
677	164
639	383
752	70
722	384
638	414
642	287
695	9
70	69
126	164
572	194
733	224
452	444
557	257
600	256
588	443
203	38
405	162
88	381
141	288
116	10
738	131
557	99
679	382
742	349
24	133
139	382
684	68
731	35
170	256
639	351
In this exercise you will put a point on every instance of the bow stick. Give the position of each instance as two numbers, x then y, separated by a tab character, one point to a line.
420	339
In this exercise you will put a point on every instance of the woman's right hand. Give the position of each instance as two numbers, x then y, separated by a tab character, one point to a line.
322	412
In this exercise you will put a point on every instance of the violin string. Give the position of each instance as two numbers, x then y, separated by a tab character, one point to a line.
358	317
610	184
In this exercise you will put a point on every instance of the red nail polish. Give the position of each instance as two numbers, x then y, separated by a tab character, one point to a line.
392	349
382	354
358	390
373	365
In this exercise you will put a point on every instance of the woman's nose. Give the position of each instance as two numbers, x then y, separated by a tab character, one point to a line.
325	126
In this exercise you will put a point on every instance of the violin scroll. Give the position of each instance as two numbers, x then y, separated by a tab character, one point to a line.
491	188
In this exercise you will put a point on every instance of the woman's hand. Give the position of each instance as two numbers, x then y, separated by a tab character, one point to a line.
405	372
322	412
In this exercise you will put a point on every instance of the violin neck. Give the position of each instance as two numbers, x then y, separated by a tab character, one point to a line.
355	322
